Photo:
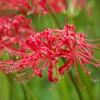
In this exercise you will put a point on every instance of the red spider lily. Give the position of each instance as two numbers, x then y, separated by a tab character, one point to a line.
41	6
48	48
12	6
13	32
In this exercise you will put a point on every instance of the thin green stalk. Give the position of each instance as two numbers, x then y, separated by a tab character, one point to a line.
26	88
63	94
13	89
85	82
54	17
24	93
74	82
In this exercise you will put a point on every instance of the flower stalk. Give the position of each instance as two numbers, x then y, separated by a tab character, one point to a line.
54	17
26	88
74	82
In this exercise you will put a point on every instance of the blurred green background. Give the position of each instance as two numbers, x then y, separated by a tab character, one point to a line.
87	21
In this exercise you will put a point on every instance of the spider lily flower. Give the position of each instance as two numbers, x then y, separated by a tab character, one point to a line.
41	6
10	7
14	31
47	50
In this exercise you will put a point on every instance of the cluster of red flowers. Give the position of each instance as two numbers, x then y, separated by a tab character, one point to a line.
30	6
47	49
34	52
57	6
11	7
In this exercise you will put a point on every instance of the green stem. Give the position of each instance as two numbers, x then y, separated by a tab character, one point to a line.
74	82
75	85
54	17
26	88
24	93
13	89
86	82
63	90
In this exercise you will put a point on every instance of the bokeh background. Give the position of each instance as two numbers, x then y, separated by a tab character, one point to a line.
87	21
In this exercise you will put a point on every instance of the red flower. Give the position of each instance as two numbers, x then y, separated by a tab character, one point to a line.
41	6
12	6
48	48
14	31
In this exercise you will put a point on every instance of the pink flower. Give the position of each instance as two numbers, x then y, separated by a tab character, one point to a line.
14	31
47	50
